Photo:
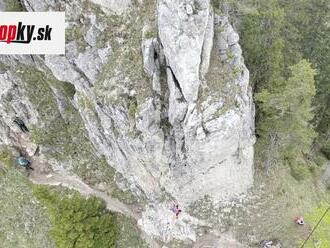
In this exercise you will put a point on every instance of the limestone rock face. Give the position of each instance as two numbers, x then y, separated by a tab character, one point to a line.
113	6
182	26
213	141
171	114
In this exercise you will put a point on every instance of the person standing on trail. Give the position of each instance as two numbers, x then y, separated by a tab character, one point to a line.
299	220
176	210
24	162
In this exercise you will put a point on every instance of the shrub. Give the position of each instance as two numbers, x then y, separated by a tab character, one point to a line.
6	158
13	5
78	222
299	171
326	149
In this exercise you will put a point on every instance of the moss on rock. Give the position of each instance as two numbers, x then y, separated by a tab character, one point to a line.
13	5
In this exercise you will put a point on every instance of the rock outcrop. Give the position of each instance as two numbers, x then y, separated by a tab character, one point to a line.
181	130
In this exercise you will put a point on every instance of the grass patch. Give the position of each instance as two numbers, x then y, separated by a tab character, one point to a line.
6	158
326	148
76	33
151	33
221	78
321	235
281	199
222	111
132	108
129	234
299	171
125	36
269	211
23	222
13	5
320	160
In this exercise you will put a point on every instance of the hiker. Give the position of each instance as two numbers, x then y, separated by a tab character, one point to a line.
175	209
299	220
22	161
20	123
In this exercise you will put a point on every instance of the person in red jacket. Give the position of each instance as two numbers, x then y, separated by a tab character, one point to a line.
299	220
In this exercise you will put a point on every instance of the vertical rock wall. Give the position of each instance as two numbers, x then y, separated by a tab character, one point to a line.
183	127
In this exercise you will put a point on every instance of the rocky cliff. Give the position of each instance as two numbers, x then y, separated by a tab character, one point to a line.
151	100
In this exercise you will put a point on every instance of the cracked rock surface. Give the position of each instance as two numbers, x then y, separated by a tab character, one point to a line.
169	111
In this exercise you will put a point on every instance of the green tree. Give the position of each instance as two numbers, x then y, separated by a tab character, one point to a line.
308	31
286	114
78	222
261	37
275	35
263	44
316	47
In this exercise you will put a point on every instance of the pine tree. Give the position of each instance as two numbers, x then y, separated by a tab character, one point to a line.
286	128
78	222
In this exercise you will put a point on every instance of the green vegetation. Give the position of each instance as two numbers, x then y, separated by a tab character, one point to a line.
125	36
80	222
76	33
150	34
76	221
13	5
270	211
283	42
23	222
132	108
73	219
320	237
220	77
6	158
263	44
62	134
285	115
129	234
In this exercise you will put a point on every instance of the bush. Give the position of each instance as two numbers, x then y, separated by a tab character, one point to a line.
6	158
13	5
299	171
78	222
320	160
326	149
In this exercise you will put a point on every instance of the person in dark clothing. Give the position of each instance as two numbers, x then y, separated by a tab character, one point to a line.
20	123
24	162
